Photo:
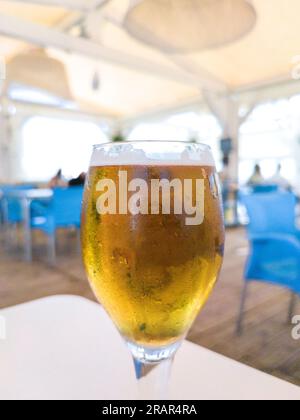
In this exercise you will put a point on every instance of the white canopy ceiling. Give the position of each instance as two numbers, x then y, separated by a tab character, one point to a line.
136	79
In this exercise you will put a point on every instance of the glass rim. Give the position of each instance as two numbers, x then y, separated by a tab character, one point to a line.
204	146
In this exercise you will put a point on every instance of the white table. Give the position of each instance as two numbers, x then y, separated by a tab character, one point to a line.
66	347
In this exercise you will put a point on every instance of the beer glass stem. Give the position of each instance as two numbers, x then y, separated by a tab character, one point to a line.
153	379
153	368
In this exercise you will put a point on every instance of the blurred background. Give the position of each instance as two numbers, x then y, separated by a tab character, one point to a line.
226	73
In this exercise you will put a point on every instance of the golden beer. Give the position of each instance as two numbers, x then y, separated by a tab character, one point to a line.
152	272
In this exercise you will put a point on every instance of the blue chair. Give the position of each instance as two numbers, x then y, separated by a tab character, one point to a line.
2	193
262	189
64	211
274	244
11	211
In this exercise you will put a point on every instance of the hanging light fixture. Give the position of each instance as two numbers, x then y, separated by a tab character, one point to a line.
38	70
180	26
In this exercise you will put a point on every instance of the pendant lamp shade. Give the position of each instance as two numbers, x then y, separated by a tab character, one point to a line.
179	26
38	70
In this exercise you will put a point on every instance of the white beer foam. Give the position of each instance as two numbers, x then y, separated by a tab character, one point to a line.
128	154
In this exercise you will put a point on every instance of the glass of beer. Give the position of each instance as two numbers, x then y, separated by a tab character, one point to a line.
153	241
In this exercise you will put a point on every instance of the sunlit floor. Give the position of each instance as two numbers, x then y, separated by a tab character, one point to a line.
266	343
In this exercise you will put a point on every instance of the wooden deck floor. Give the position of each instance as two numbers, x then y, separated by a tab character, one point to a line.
266	344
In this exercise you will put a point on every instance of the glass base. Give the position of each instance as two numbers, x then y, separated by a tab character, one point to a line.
152	368
153	355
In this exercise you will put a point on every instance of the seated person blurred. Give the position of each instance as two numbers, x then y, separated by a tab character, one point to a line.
279	180
57	181
79	181
256	178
